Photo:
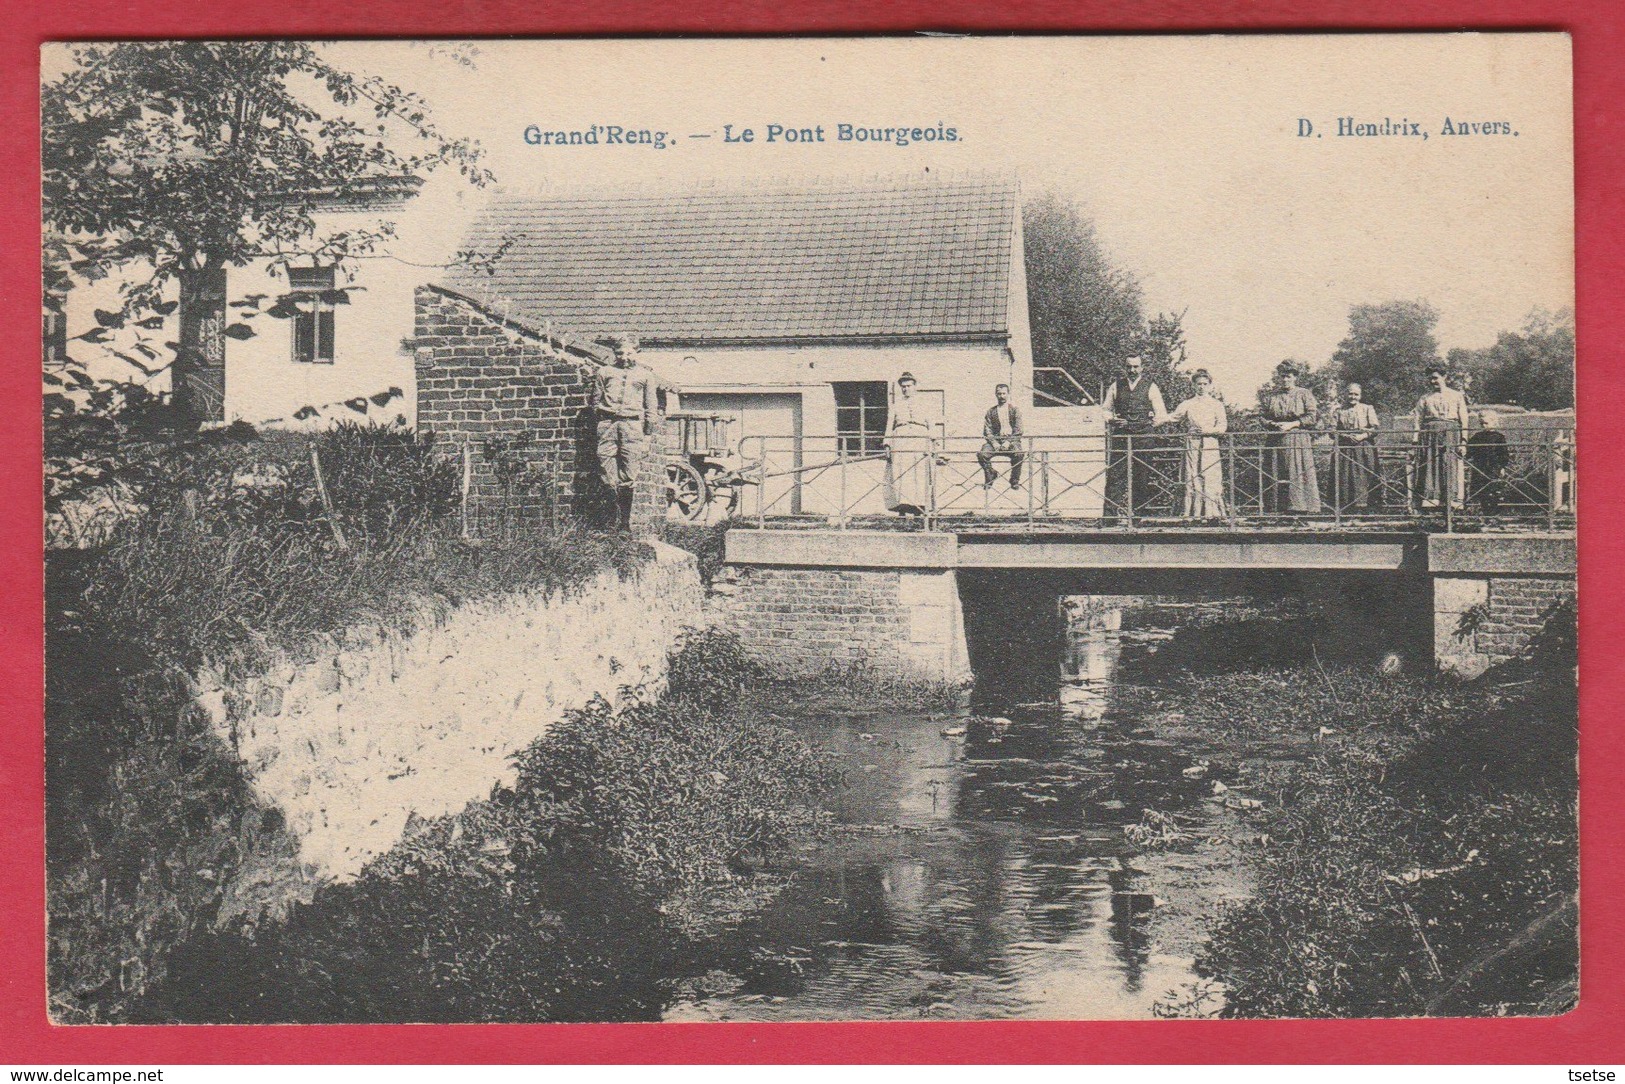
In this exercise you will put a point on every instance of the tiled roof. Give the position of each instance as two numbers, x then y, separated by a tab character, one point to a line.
814	260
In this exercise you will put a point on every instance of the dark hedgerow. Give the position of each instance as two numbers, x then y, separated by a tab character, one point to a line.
225	556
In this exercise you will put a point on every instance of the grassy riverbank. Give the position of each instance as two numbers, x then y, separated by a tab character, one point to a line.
1419	854
226	557
572	895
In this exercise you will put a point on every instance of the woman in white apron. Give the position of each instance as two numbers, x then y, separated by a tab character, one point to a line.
1205	418
908	444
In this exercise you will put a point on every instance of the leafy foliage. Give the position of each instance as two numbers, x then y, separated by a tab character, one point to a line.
172	161
1086	313
1162	348
1386	352
567	896
227	556
1533	367
1420	861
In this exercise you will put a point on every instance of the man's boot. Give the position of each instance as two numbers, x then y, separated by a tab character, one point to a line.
623	509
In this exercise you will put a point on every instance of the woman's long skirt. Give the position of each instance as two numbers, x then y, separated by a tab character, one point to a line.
1438	462
1204	478
1357	478
908	469
1294	487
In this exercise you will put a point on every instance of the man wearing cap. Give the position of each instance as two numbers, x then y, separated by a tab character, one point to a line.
624	401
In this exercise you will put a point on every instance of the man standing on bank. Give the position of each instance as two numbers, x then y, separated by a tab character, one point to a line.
1133	403
1001	435
624	402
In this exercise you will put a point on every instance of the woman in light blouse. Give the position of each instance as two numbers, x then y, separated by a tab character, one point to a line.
1441	423
908	466
1205	418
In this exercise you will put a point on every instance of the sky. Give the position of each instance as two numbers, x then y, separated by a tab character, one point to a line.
1185	151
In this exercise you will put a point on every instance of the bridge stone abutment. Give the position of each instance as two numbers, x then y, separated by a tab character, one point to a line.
1492	593
807	601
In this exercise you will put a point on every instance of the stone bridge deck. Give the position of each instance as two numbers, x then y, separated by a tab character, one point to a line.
810	597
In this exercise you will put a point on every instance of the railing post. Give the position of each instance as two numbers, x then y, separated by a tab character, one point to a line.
1262	451
840	455
1230	480
1337	495
1448	485
1551	484
1128	463
930	483
761	487
1027	459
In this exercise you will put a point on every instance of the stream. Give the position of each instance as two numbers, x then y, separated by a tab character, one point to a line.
979	866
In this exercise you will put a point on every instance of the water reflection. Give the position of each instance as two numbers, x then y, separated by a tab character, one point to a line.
977	875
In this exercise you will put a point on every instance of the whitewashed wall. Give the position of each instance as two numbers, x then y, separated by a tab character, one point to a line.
377	726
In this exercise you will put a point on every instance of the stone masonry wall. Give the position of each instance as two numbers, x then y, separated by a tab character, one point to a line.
1504	611
378	726
803	621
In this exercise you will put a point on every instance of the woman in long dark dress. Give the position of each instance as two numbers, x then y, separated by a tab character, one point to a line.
1290	452
1357	479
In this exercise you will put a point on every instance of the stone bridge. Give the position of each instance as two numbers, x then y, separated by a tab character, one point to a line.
807	598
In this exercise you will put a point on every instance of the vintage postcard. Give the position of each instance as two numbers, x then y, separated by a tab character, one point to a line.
810	529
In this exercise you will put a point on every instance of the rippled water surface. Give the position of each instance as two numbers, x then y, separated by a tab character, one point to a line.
981	868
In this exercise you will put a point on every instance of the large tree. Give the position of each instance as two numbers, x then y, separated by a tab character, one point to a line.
1387	351
1086	313
1533	367
168	163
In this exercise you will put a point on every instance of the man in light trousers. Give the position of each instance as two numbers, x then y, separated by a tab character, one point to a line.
624	402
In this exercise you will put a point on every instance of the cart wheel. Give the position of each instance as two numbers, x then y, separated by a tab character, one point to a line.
686	491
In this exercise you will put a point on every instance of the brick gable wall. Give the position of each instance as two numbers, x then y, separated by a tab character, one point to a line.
515	405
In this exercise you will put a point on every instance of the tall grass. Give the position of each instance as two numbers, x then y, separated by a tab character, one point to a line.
1423	860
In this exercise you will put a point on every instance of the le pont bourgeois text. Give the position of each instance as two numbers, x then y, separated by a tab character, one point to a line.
741	135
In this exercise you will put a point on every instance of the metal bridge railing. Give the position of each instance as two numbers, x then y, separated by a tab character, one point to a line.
1130	480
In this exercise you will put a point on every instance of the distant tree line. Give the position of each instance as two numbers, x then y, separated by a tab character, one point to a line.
1390	345
1088	315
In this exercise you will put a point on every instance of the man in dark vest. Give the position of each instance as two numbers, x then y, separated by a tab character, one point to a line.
1001	435
1133	404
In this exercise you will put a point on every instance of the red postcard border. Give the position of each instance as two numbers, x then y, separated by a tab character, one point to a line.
1592	1033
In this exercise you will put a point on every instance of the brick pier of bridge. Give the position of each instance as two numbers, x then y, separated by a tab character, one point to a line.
897	601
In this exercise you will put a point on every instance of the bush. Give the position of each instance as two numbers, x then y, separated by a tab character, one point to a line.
228	560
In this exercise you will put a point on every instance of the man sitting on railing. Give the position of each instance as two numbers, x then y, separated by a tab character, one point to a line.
1001	436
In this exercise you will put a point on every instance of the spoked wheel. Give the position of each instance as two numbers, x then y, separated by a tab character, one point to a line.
686	491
